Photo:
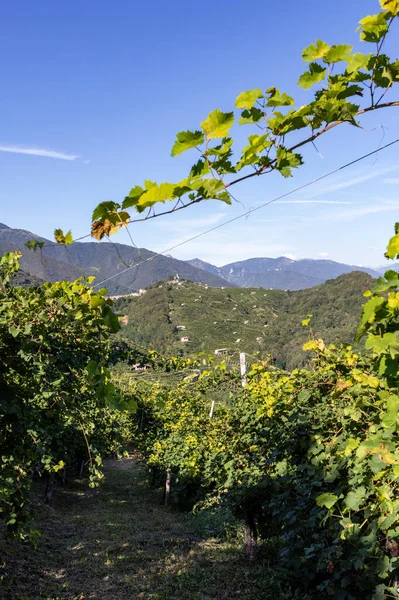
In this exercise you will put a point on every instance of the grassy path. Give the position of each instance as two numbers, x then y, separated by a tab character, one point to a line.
118	542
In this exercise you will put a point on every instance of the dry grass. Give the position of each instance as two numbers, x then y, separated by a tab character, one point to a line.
118	542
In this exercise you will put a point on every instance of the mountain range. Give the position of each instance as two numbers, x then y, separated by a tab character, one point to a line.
105	260
281	273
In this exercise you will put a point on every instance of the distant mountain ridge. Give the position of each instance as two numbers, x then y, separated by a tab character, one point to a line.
55	262
281	273
105	260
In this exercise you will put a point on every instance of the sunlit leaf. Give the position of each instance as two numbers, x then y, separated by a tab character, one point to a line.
186	140
315	74
315	51
217	124
247	99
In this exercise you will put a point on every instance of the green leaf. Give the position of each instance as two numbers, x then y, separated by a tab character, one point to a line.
96	300
357	61
14	330
157	193
247	99
380	344
103	210
34	245
217	124
250	116
315	51
60	238
327	500
370	309
373	27
257	143
386	523
338	53
286	161
133	197
390	5
355	499
388	282
393	247
315	74
187	140
276	98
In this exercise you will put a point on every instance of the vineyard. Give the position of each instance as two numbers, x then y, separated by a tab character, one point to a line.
284	485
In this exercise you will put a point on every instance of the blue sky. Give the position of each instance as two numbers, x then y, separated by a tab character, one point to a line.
105	86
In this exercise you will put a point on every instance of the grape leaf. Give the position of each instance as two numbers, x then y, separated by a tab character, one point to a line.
248	98
217	124
338	53
315	51
327	500
276	98
187	140
315	74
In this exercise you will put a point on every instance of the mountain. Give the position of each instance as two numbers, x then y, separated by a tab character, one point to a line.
388	267
55	262
22	279
246	320
280	273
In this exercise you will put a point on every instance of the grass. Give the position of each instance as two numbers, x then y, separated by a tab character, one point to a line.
118	542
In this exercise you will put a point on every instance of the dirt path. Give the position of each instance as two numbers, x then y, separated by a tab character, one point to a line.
118	542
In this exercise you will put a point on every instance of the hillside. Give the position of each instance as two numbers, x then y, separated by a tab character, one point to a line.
24	279
250	320
102	260
280	273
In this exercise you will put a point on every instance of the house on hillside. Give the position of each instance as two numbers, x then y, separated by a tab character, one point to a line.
221	351
138	367
181	327
185	338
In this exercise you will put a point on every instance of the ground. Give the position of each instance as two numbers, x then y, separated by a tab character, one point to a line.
119	542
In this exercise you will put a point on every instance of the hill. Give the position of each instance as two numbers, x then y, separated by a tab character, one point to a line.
280	273
102	260
21	278
250	320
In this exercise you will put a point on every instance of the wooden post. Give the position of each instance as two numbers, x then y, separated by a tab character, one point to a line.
49	488
212	408
167	486
251	537
243	368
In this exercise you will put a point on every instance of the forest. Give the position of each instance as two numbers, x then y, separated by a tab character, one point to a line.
184	479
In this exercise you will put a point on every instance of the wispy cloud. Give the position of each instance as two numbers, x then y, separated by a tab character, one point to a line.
324	254
356	212
346	181
392	180
221	248
38	152
314	202
187	226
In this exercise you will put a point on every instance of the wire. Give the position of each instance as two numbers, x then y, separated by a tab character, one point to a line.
248	212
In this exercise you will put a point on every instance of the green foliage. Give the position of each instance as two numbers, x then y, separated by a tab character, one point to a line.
62	238
57	400
309	78
187	140
264	321
310	457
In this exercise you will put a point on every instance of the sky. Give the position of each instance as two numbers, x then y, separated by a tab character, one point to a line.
93	93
